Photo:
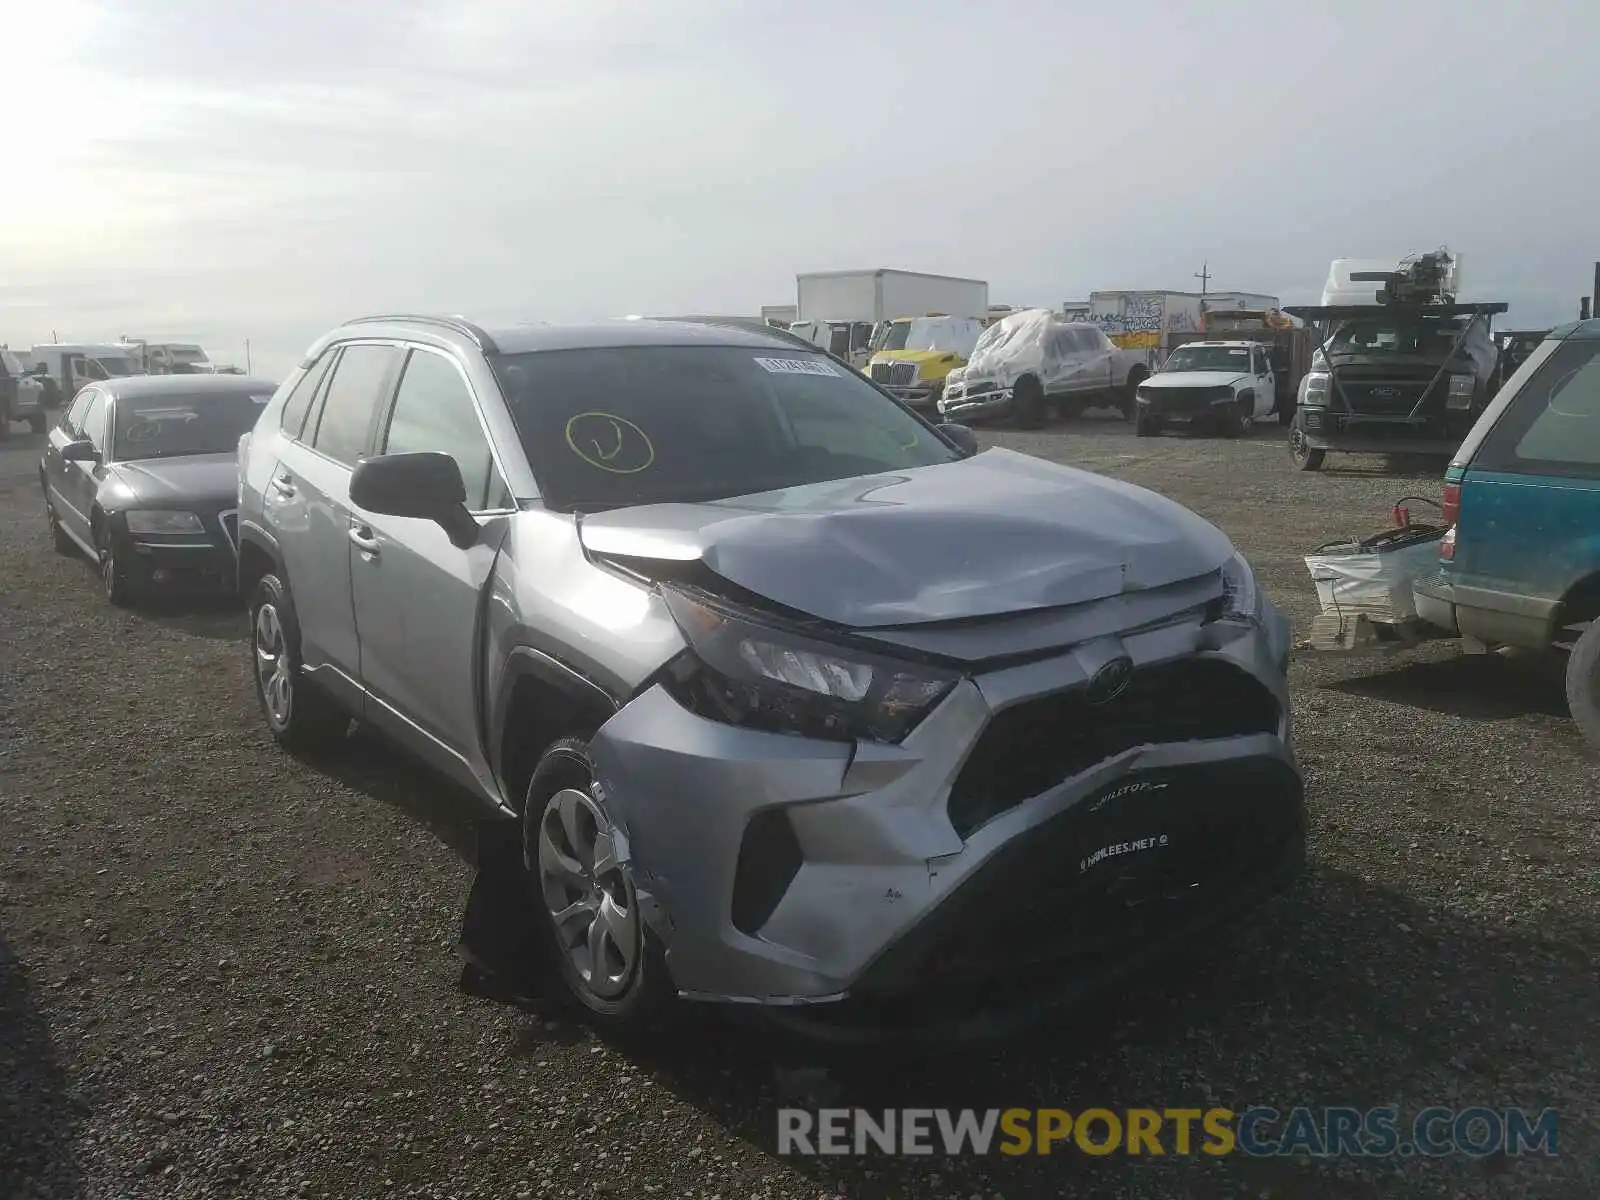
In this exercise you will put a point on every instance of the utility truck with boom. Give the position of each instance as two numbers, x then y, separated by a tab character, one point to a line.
1401	367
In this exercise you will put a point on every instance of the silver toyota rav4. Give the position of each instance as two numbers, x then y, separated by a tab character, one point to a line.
801	701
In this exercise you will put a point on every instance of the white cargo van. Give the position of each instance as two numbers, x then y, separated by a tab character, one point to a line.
70	365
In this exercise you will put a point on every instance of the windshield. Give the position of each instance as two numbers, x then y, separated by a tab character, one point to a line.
167	426
650	424
115	365
899	332
187	354
1430	338
1208	358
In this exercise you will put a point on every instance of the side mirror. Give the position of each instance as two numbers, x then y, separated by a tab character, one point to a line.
965	440
80	450
423	484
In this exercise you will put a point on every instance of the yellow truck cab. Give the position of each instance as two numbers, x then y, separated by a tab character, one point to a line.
915	354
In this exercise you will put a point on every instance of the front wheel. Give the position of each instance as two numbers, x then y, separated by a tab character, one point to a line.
602	950
1305	457
114	579
1027	405
298	715
1583	683
1146	426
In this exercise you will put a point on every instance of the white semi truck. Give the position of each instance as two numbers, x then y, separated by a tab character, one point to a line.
841	311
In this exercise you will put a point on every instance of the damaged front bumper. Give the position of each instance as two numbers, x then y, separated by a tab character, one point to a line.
964	404
786	871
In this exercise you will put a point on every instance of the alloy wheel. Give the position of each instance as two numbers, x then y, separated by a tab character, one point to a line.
273	676
590	901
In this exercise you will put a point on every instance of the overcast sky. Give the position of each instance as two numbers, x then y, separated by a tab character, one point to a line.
218	171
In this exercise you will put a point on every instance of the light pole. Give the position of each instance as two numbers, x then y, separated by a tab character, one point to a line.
247	369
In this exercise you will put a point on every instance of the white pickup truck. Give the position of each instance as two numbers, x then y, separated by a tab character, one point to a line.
1033	363
1224	386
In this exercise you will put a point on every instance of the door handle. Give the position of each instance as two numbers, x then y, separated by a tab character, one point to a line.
283	484
361	537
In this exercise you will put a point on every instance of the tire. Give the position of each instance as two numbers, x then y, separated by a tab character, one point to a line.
1305	458
1128	395
298	714
567	850
63	544
37	422
1583	683
1147	427
5	423
1236	421
114	581
1027	404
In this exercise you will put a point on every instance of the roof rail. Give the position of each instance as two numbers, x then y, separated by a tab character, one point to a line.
459	324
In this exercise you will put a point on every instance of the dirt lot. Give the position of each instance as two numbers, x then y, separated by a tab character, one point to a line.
226	972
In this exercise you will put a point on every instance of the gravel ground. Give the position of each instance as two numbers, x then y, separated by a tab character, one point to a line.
224	972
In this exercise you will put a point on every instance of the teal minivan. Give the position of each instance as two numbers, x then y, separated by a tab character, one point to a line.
1520	565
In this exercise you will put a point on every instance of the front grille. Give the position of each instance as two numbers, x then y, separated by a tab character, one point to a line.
1186	399
1036	904
1031	747
1385	392
894	374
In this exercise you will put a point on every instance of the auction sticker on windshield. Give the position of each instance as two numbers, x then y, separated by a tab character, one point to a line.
796	366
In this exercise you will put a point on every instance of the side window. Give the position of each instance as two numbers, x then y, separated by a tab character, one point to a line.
433	410
94	422
73	421
1552	427
351	399
295	408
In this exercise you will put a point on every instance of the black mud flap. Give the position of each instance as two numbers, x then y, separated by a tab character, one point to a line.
500	944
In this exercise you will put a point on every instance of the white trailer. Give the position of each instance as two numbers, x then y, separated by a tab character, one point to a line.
841	309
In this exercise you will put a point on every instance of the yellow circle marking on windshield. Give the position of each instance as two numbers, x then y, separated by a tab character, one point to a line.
610	443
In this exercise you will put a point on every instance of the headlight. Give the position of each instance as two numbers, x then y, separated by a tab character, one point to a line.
1241	597
744	671
155	520
1316	389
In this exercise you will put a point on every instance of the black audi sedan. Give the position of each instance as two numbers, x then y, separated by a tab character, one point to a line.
141	474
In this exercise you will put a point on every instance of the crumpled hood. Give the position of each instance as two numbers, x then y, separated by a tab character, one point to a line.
189	479
1002	532
1190	379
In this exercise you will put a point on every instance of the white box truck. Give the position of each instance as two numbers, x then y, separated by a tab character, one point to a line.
841	310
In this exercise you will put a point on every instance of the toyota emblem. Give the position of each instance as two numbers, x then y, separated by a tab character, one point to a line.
1111	680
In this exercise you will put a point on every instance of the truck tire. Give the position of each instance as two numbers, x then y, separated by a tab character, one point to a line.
1583	684
1305	457
37	422
1027	404
1147	426
1128	396
5	421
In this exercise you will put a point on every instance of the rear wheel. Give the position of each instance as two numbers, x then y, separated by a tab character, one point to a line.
58	536
5	421
1304	456
604	953
1128	396
1583	683
1147	426
37	423
1027	404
